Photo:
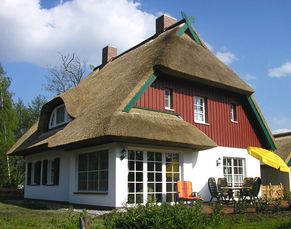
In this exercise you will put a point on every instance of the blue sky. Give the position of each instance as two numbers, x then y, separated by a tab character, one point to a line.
253	37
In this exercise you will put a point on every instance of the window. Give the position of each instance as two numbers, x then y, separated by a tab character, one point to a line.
168	99
233	171
50	173
59	116
93	171
33	173
199	110
233	112
152	176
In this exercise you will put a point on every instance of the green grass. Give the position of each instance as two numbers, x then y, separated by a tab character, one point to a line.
13	216
35	215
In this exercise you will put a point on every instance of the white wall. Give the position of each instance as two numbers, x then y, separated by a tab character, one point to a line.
204	166
57	192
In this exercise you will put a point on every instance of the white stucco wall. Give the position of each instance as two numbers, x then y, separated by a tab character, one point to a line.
204	166
195	166
44	192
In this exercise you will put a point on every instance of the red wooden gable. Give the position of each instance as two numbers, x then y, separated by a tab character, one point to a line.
219	127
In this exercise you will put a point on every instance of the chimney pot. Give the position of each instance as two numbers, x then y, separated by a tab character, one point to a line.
164	22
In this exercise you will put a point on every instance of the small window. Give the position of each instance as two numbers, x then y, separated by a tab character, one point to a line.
93	171
33	173
199	110
50	173
233	112
59	116
168	99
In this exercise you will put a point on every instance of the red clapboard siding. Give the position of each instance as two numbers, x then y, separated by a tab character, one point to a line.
219	126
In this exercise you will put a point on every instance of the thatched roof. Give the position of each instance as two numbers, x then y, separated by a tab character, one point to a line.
96	104
283	142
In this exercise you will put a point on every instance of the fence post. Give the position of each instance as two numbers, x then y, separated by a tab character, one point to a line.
85	222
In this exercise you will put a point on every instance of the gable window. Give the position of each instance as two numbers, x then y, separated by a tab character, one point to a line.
59	116
93	171
50	172
199	109
168	99
233	112
233	171
33	173
152	176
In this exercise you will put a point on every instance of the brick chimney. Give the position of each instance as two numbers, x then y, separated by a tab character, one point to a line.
164	22
108	53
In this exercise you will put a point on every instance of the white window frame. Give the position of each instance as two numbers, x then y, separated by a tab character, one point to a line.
53	118
232	173
233	114
168	99
50	172
144	193
197	112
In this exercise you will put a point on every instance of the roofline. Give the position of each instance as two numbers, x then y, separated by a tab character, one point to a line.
259	118
282	134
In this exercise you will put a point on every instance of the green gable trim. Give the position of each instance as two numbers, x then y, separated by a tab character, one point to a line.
188	25
141	91
261	122
164	112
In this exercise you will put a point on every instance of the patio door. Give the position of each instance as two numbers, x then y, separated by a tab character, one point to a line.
152	176
233	171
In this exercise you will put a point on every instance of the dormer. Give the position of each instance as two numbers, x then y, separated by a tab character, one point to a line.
59	116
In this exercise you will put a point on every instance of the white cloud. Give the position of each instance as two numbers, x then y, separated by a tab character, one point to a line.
32	34
284	70
249	77
209	46
279	131
226	57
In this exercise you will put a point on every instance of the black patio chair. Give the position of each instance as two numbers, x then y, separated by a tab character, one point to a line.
223	188
214	192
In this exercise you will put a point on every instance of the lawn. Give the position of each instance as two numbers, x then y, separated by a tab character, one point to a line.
33	214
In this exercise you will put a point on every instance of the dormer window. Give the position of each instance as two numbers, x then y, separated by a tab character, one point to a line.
59	116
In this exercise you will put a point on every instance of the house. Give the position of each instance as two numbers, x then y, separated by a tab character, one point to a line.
165	110
273	176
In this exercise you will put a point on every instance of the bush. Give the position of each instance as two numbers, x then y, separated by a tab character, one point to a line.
152	215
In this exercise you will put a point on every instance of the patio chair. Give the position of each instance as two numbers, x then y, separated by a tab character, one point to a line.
185	192
247	187
214	192
255	190
222	188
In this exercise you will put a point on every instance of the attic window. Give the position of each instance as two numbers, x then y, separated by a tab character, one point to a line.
59	116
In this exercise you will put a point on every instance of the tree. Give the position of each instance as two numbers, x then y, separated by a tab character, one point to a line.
68	75
8	124
28	115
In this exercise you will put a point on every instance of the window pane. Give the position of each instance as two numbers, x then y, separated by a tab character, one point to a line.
151	166
139	155
158	166
158	177
93	161
158	156
130	176
151	177
93	181
151	156
169	187
158	187
103	181
130	187
139	187
60	114
131	154
131	165
103	159
139	176
150	187
139	166
168	157
83	162
169	177
82	181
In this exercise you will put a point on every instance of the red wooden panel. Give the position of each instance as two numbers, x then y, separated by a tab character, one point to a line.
219	127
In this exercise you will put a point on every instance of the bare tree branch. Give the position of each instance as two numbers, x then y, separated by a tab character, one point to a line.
68	75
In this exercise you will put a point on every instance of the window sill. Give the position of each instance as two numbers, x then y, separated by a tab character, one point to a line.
202	123
169	109
233	121
94	193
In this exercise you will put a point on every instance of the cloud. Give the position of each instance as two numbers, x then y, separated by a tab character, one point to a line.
249	77
284	70
279	131
30	33
226	57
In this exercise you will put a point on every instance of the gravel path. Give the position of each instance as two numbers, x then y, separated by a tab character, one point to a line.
54	206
